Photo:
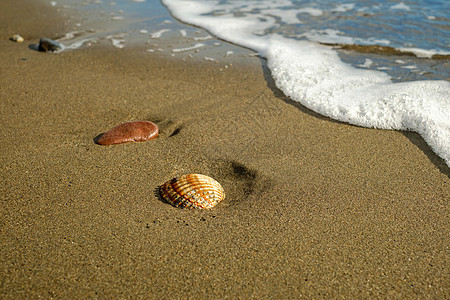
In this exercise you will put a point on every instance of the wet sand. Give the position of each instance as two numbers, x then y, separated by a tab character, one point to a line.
314	208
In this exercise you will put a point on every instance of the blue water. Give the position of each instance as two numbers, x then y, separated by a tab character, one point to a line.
420	27
423	24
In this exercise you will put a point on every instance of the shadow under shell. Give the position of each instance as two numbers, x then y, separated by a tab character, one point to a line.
138	131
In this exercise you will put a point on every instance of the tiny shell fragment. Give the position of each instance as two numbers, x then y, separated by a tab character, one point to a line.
192	191
138	131
17	38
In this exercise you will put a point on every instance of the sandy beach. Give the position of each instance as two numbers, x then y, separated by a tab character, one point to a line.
314	208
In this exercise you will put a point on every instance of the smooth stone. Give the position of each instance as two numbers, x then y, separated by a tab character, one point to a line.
49	45
17	38
138	131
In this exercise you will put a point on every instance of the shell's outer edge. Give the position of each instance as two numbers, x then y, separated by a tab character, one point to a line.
193	191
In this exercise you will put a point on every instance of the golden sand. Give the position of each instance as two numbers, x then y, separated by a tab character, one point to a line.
314	208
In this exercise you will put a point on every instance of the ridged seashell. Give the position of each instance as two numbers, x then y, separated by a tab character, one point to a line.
192	191
17	38
138	131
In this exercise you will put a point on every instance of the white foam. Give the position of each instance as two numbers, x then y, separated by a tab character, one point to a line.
203	38
344	7
288	17
411	67
315	76
312	11
116	18
367	63
74	45
159	33
69	35
322	82
196	46
117	41
401	6
78	44
422	52
333	36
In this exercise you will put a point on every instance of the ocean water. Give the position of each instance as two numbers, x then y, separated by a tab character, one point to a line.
378	64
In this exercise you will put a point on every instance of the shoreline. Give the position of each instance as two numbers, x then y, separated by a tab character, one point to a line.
314	208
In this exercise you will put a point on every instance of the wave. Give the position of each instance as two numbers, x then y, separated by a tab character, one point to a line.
315	76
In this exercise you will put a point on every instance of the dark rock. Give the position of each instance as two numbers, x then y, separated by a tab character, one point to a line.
48	45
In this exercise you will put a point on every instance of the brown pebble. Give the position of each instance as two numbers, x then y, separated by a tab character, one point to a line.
138	131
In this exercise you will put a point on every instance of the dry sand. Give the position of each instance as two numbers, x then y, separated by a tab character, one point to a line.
314	208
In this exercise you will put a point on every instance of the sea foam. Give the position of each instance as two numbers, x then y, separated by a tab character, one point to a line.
315	76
